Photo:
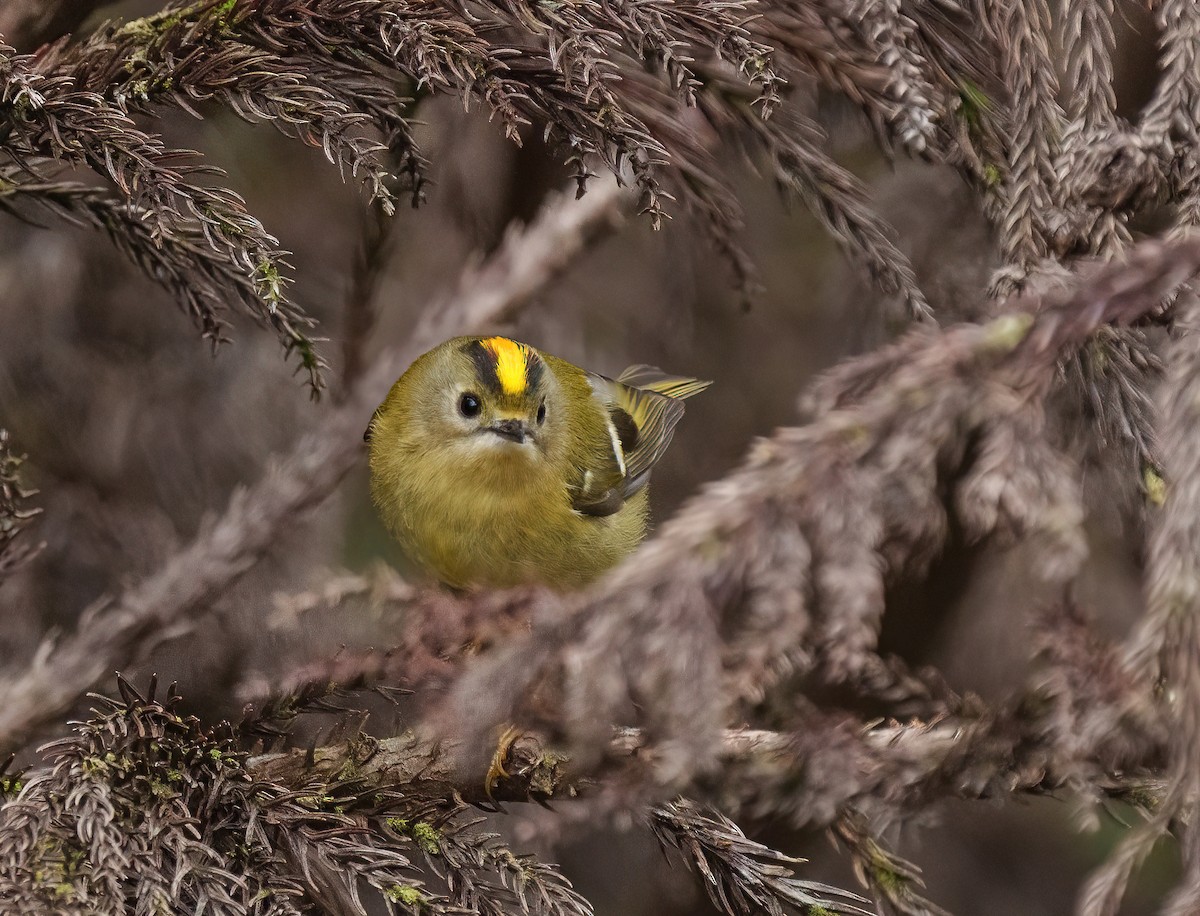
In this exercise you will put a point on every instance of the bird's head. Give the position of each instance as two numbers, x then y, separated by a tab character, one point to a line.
488	399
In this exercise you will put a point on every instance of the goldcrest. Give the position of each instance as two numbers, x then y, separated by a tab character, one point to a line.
496	465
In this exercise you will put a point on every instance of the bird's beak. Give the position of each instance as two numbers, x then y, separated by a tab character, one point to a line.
516	430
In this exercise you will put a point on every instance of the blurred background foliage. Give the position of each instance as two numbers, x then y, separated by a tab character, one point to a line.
136	434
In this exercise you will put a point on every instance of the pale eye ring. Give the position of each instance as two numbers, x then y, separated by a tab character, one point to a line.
468	405
541	414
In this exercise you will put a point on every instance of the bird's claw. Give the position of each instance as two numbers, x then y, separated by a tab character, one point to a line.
496	770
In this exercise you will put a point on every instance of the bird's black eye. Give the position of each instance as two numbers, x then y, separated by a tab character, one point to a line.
541	414
468	405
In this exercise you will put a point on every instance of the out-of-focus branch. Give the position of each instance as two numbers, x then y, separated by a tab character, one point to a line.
1082	725
27	24
430	633
1167	644
116	632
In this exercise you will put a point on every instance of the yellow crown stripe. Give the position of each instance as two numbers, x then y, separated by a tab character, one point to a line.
512	361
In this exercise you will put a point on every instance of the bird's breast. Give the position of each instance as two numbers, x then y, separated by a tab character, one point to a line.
502	526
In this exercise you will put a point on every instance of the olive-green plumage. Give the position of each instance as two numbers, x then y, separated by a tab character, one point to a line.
496	465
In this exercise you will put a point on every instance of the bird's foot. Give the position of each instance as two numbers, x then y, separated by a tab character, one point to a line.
496	770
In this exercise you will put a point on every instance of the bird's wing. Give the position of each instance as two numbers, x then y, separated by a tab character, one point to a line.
641	410
604	484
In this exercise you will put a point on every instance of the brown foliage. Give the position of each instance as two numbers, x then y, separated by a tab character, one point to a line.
736	659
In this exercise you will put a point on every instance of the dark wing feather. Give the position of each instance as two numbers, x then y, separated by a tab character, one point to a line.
599	505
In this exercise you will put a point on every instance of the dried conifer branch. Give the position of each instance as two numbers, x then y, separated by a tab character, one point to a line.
1029	75
837	199
889	29
143	807
792	144
740	875
434	633
437	47
1171	113
889	877
484	875
943	94
833	763
1088	42
927	76
1090	133
430	634
288	62
193	58
113	633
869	52
377	809
201	280
822	43
665	35
214	828
45	118
1171	122
981	83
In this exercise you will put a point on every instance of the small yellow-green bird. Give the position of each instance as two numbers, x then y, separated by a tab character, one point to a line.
496	465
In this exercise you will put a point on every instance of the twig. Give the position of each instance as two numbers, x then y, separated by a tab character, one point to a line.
919	764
